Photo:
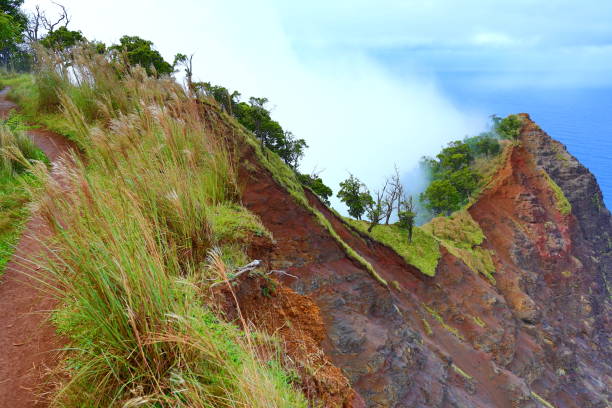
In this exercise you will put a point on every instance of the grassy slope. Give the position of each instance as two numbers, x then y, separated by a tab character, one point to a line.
423	252
462	237
152	218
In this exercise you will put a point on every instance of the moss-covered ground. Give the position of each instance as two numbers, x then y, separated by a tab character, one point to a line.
462	237
423	252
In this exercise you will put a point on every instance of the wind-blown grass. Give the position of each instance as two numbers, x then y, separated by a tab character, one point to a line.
140	225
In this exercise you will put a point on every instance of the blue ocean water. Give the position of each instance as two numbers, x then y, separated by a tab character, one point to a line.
579	118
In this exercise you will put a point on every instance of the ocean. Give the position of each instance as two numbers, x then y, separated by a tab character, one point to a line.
580	118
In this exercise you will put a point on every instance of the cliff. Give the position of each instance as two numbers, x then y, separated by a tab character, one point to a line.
533	333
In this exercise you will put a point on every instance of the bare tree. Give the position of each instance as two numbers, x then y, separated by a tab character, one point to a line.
39	21
394	194
377	209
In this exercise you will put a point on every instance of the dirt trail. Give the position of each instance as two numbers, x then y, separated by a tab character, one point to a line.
28	343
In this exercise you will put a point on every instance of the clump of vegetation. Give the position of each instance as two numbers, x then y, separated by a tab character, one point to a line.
561	202
17	155
140	234
423	252
462	167
462	237
256	117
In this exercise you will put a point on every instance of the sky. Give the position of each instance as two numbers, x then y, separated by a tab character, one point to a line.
362	81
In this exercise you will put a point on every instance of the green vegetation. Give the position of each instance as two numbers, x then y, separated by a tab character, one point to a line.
316	185
355	195
462	237
140	52
17	154
561	202
151	212
508	127
423	252
462	168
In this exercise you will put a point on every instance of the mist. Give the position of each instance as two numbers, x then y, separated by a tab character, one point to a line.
355	115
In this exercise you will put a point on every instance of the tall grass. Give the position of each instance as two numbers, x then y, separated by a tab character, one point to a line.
134	227
17	154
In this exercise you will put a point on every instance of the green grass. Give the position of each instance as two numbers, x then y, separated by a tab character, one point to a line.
17	154
561	202
423	252
462	237
13	213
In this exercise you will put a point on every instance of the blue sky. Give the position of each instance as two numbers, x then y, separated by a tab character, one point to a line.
365	82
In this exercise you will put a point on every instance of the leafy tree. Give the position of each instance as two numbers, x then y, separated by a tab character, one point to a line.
465	181
140	52
441	197
355	195
407	215
485	144
455	156
13	23
62	39
290	149
509	127
315	183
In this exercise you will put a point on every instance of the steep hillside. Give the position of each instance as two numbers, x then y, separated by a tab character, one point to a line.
171	197
534	335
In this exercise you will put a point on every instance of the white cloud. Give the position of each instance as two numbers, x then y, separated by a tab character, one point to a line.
354	114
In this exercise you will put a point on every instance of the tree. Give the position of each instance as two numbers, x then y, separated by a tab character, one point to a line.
354	194
394	193
291	149
441	197
407	215
315	183
62	39
376	209
181	60
39	21
509	127
140	52
13	23
465	181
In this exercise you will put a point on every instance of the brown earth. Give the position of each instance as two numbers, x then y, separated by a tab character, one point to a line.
28	343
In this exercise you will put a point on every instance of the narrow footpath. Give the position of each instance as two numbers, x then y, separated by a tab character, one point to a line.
28	343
